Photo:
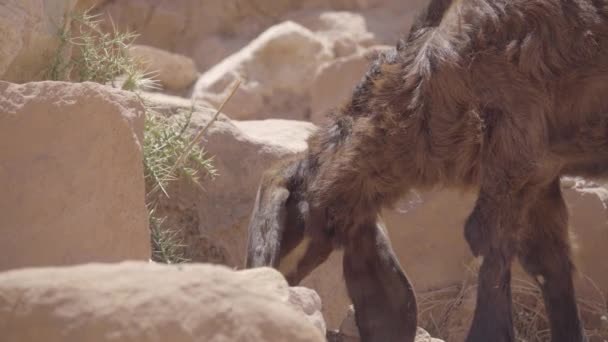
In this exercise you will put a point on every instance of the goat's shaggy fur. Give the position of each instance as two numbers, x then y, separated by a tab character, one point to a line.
499	96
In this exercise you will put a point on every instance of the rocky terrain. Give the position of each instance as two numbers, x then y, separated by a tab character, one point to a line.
77	243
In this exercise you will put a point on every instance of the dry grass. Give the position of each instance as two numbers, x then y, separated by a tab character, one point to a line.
168	245
447	313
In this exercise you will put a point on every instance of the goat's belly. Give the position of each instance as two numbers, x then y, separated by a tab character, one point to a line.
584	150
593	170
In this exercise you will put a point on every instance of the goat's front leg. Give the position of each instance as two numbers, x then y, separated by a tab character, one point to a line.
514	165
384	300
489	230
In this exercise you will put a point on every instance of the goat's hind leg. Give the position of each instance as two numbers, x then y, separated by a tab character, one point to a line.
544	252
384	300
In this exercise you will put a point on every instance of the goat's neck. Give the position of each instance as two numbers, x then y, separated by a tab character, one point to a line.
351	172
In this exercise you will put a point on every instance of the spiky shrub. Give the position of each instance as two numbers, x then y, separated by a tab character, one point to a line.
167	244
165	140
87	53
97	56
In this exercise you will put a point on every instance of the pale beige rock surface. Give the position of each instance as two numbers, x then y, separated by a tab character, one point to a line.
277	69
30	36
335	81
174	72
71	175
345	32
308	303
137	301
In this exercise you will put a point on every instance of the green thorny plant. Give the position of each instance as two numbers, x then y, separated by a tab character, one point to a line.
167	245
166	139
87	53
169	153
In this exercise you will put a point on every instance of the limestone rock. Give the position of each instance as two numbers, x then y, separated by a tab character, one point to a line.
277	68
346	32
30	36
137	301
335	81
71	175
308	302
174	72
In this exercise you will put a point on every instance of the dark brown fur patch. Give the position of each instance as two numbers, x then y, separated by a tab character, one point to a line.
503	96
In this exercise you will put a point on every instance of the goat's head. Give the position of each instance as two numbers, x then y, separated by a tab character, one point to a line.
284	232
290	234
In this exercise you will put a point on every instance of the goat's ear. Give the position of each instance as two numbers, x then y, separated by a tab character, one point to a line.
383	297
267	226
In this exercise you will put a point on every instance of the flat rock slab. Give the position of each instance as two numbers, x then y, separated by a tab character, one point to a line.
138	301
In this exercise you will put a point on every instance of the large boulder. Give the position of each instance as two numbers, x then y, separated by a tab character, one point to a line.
174	72
31	36
277	70
137	301
307	302
71	175
346	32
335	81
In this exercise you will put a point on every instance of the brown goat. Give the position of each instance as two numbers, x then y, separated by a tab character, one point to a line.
499	96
